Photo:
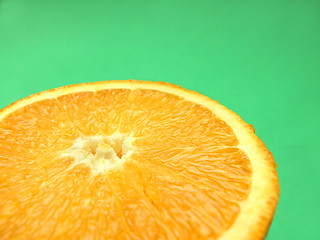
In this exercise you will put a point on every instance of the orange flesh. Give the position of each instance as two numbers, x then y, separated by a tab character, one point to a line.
185	177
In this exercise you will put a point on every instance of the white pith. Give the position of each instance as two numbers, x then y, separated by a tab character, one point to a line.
100	153
255	212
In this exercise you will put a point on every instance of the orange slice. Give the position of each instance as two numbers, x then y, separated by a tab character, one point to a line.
131	160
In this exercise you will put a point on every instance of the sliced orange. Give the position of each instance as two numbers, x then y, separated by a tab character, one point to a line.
131	160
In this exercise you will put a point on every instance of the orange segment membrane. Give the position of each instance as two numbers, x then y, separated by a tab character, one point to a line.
180	176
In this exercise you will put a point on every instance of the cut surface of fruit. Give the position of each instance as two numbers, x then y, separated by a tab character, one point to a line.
131	160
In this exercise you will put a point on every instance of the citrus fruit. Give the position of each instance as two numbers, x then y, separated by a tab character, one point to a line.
131	160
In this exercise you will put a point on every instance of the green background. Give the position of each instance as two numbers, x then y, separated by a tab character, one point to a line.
259	58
